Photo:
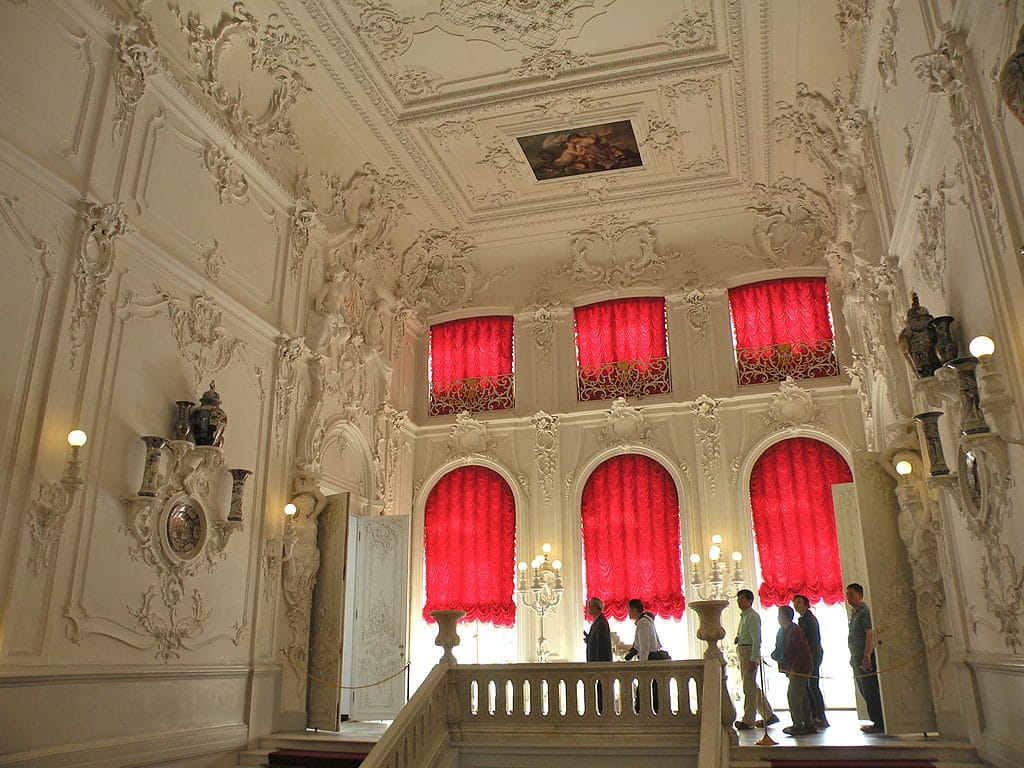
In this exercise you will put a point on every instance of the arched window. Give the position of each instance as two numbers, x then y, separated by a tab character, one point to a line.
622	349
469	536
782	328
631	542
795	521
471	365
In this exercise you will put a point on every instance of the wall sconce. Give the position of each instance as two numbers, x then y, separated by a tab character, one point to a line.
52	503
542	593
904	468
997	400
713	586
291	537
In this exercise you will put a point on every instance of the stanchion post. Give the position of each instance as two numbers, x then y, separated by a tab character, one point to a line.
765	740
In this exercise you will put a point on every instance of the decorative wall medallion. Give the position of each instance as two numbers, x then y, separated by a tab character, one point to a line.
232	186
887	62
791	407
594	259
692	31
550	64
468	437
624	424
184	528
137	59
545	451
200	335
708	430
275	51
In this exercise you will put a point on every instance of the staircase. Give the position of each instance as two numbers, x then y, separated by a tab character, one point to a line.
321	743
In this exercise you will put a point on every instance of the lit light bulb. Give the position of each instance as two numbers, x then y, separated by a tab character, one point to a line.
694	558
523	566
557	564
545	548
290	509
716	539
77	438
982	346
904	468
736	557
538	561
715	552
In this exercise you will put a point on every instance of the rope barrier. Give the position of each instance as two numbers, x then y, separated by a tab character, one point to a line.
844	677
330	684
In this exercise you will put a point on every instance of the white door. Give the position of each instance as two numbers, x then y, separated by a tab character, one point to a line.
379	575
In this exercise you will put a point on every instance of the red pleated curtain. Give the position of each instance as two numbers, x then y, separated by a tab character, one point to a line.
474	347
631	536
469	535
795	521
792	311
623	329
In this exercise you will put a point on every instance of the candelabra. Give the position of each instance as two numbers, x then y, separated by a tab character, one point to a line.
541	591
713	586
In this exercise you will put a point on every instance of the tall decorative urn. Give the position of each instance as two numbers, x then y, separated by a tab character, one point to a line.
447	633
710	630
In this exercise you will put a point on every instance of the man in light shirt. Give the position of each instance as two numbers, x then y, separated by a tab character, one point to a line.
748	647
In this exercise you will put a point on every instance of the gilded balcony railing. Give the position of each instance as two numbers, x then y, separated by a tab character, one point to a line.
485	393
801	360
624	378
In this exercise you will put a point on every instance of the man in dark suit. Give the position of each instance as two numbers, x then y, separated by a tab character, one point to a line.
812	631
598	640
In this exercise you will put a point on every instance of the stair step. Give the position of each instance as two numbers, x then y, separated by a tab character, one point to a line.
251	757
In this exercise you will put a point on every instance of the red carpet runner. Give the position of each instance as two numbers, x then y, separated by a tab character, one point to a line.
301	758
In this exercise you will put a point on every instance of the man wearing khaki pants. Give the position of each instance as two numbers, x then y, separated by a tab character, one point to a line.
748	647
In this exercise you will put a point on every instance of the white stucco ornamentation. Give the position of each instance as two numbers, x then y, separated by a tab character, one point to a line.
887	61
138	58
791	407
94	264
290	353
437	271
276	52
550	64
708	429
389	428
534	24
199	332
793	224
624	424
942	71
930	255
853	16
232	186
468	437
385	29
692	31
545	451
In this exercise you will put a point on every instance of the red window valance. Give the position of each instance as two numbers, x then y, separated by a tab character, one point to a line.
631	541
795	521
469	535
782	328
621	348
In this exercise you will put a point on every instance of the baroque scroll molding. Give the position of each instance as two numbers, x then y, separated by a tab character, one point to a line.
692	31
624	424
545	451
930	256
138	59
708	429
550	64
232	186
792	407
468	437
390	427
793	224
943	71
276	52
853	16
887	61
94	263
291	352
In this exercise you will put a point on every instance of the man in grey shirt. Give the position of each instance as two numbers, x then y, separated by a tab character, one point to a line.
748	648
861	642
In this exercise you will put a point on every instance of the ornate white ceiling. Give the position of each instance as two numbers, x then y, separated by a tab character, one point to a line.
437	93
